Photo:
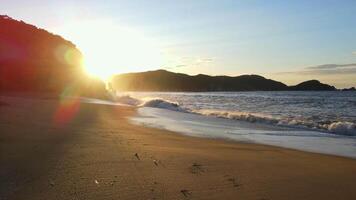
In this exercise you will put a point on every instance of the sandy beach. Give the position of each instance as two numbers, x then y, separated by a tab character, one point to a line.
97	154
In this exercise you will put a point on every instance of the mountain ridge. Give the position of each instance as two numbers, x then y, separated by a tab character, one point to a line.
163	80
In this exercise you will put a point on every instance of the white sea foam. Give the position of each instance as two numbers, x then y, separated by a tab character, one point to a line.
340	127
303	121
250	117
126	99
335	127
150	102
347	128
161	103
238	130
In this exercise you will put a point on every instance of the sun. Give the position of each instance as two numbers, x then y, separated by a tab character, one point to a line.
110	49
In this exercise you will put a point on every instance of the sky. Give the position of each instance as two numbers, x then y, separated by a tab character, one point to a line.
289	41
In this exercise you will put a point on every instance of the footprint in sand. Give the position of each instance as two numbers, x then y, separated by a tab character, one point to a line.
196	168
234	182
186	193
157	162
112	182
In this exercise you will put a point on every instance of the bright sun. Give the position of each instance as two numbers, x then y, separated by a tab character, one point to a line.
111	49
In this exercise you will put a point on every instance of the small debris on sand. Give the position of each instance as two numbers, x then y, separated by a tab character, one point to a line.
112	183
51	183
155	162
138	158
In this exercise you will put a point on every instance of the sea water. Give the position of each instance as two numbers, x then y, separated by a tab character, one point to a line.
323	122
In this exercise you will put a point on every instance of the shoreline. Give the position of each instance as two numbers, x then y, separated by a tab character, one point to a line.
196	125
232	141
99	154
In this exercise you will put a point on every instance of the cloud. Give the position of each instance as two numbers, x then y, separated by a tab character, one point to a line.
189	62
331	66
326	69
175	67
207	60
354	53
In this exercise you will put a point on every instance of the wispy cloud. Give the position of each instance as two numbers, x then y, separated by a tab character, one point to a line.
189	62
331	66
326	69
206	60
354	53
174	67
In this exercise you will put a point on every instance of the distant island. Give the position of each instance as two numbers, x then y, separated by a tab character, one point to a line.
349	89
162	80
312	85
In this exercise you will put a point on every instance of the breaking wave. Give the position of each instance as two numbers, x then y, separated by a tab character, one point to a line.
164	104
336	127
150	102
347	128
128	100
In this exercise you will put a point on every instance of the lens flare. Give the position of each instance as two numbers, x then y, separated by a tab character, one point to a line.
68	107
68	55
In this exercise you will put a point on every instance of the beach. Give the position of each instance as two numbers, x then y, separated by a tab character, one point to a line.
92	151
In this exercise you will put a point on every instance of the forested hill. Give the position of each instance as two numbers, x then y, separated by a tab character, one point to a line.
35	60
162	80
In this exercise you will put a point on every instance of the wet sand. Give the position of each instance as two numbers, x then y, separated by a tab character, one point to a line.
98	154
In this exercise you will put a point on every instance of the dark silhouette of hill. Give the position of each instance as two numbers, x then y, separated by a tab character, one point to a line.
162	80
34	60
349	89
312	85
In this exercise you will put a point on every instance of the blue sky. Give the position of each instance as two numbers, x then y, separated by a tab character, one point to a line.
283	40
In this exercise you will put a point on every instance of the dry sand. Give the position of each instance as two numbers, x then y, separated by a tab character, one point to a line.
100	155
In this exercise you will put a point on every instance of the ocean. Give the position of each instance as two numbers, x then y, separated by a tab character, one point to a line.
322	122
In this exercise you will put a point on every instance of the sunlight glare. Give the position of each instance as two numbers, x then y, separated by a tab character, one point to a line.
110	49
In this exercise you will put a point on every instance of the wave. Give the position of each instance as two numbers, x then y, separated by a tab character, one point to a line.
347	128
338	127
150	102
250	117
335	127
126	99
164	104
